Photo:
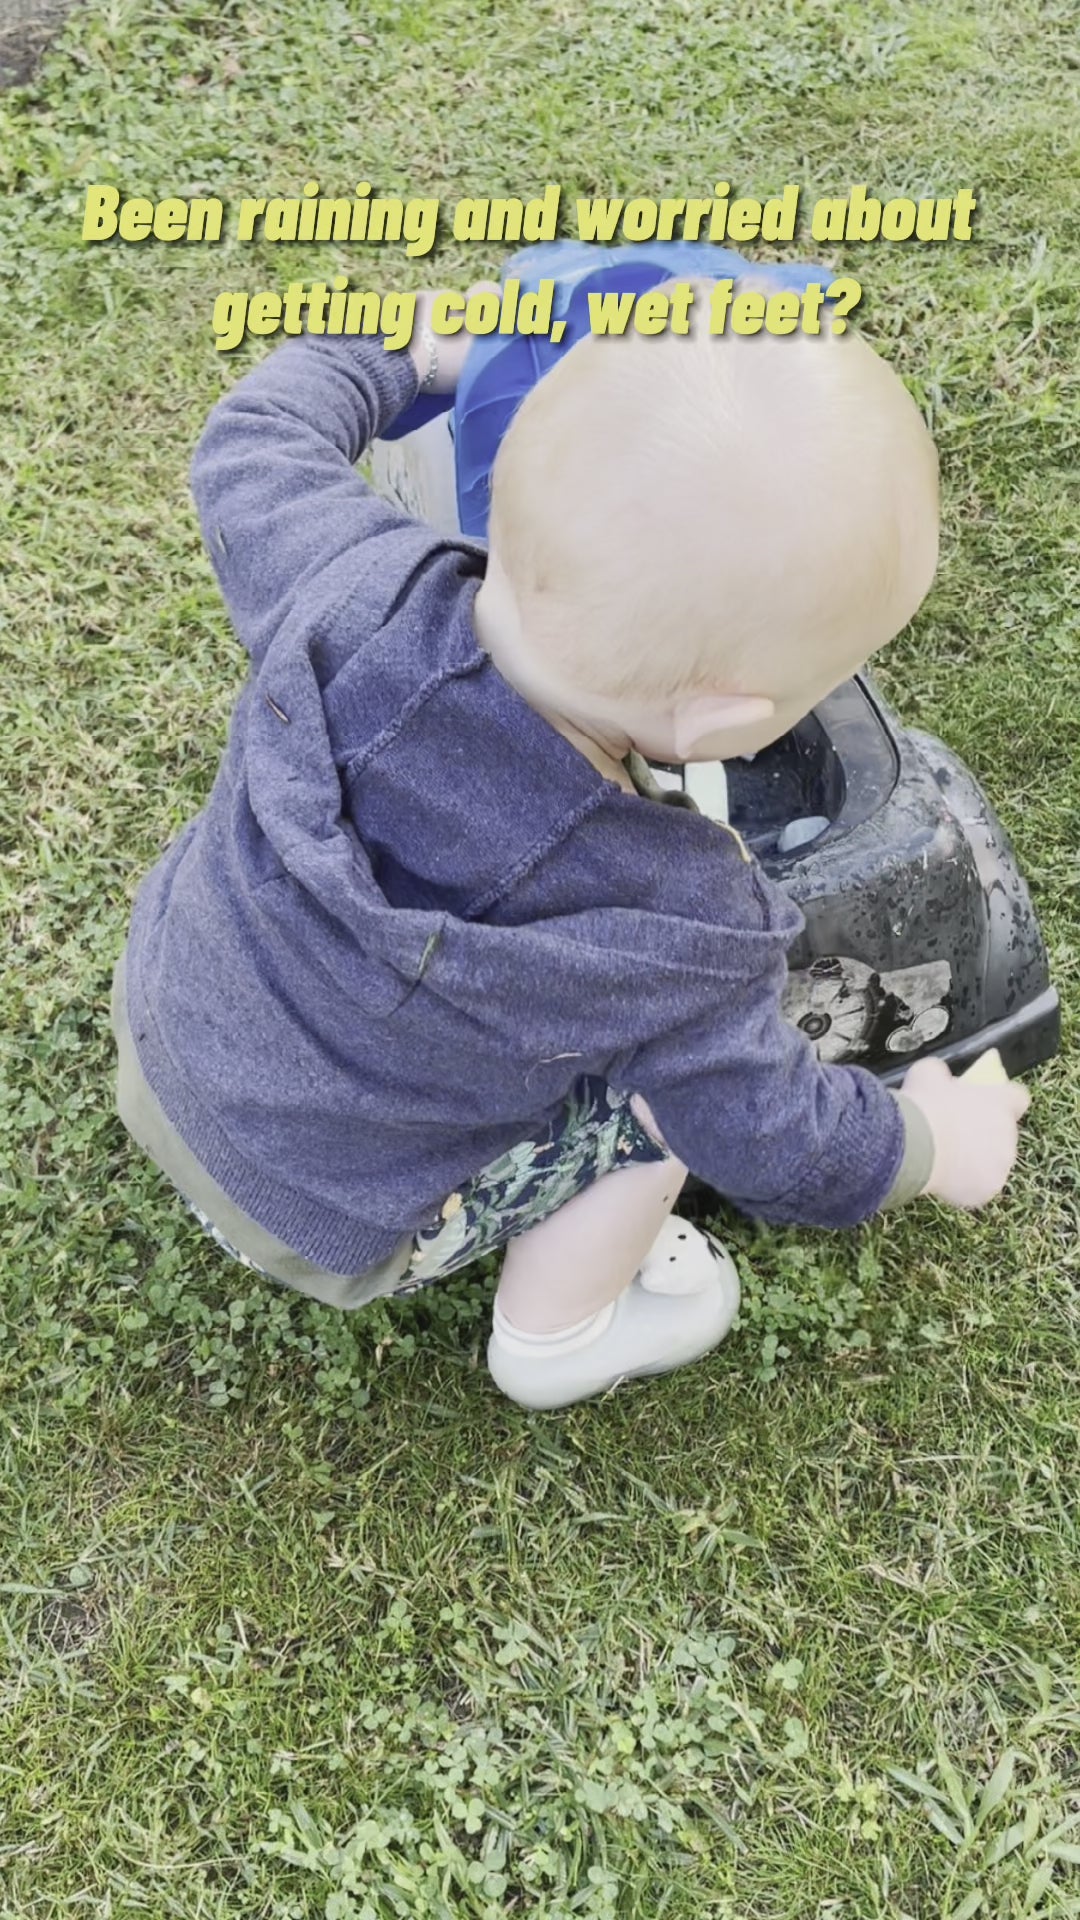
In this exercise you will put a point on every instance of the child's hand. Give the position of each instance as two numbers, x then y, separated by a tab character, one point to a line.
975	1128
450	348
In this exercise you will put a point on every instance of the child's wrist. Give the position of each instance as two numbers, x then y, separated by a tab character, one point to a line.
917	1164
424	354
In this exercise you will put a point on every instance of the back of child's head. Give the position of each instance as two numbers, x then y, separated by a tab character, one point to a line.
675	513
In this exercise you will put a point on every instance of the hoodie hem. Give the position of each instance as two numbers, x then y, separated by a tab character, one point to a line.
311	1230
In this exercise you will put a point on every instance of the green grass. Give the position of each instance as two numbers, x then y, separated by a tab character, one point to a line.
298	1618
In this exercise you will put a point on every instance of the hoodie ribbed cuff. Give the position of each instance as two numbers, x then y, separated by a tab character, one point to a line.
918	1162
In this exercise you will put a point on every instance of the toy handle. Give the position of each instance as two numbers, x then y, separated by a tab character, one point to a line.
988	1070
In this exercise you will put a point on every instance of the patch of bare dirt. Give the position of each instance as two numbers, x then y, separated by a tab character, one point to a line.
26	28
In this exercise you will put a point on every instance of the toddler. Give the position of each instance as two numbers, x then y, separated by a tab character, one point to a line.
439	969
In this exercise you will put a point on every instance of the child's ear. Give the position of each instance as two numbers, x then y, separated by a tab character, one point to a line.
704	715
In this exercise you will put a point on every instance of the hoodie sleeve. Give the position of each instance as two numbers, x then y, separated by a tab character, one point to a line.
695	942
285	517
740	1096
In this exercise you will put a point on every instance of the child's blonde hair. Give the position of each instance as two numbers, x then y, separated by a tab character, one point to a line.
676	512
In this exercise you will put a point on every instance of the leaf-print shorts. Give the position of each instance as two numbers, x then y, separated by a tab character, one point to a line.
595	1132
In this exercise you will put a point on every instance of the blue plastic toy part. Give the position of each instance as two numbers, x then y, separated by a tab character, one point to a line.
501	369
426	408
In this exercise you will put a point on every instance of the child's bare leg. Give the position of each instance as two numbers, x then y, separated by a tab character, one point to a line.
578	1259
610	1286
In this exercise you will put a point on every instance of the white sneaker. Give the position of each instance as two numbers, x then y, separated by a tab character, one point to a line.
678	1306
